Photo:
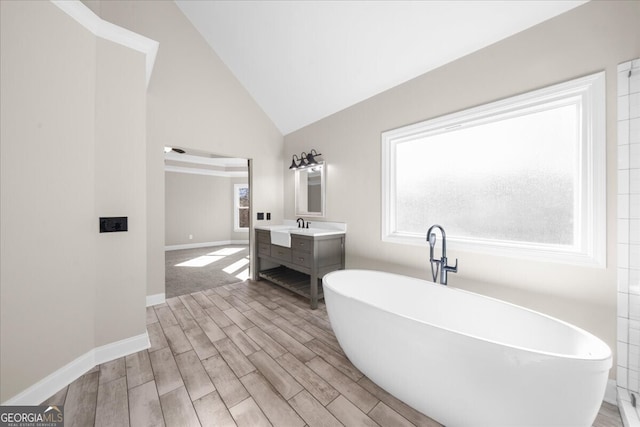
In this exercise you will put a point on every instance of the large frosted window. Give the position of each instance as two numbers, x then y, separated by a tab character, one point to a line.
524	175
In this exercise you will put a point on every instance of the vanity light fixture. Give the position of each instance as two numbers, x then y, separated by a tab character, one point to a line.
305	160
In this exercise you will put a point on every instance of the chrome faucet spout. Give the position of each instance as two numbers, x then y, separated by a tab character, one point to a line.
439	265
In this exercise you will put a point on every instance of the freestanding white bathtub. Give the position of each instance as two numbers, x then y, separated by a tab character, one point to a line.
464	359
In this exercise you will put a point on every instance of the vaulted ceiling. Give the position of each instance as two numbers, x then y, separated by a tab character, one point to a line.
305	60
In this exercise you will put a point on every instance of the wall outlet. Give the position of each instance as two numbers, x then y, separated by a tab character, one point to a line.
260	216
113	224
190	236
268	216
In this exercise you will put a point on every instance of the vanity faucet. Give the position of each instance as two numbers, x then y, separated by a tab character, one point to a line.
439	264
298	221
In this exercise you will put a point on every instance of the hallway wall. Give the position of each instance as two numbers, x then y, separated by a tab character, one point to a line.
71	105
200	206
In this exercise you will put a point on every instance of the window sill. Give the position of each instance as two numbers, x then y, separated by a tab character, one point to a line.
540	253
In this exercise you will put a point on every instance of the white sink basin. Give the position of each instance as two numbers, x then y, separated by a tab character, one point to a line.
281	237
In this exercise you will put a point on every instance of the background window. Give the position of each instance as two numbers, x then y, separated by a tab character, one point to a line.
241	207
522	176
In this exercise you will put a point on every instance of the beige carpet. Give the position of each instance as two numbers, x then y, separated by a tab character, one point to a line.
193	270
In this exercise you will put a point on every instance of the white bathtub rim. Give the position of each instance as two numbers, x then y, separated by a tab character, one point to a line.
590	336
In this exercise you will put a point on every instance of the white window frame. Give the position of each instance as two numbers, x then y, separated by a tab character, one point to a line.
590	248
237	207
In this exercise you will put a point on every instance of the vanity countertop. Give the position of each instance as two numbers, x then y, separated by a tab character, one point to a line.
317	228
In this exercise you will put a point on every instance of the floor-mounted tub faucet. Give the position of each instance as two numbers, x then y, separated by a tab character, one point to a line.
439	264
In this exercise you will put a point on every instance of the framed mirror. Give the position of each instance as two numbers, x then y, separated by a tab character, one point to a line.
310	189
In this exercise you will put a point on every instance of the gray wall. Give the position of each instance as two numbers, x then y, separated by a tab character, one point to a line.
201	206
71	104
593	37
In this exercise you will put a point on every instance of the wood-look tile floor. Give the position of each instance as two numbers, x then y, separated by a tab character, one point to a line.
247	354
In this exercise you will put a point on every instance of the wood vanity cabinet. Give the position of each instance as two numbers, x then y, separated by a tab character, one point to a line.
302	266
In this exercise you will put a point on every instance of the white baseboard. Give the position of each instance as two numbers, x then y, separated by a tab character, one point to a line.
205	244
611	392
51	384
155	299
121	348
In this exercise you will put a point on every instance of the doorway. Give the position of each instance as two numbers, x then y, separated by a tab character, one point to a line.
207	221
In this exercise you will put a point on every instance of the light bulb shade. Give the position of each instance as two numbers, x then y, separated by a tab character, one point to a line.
311	160
293	162
311	157
303	160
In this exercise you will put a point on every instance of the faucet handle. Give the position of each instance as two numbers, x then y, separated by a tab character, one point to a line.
451	269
